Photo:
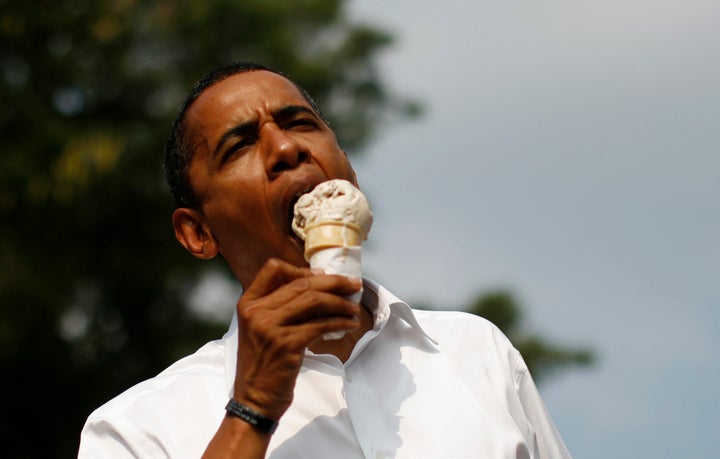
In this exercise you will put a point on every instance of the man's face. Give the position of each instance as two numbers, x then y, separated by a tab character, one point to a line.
258	146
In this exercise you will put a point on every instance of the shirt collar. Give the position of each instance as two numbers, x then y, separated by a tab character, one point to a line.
382	304
376	298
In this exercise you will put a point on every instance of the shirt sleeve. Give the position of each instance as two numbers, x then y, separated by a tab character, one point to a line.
102	439
547	439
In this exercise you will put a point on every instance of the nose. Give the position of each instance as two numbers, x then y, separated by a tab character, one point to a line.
283	151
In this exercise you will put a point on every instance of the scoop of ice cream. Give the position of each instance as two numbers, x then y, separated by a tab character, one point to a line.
335	202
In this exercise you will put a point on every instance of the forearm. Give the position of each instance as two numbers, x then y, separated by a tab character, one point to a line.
236	438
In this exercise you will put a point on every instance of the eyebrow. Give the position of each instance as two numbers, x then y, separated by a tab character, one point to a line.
288	111
282	114
240	130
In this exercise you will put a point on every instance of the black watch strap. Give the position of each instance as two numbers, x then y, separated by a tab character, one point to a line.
252	417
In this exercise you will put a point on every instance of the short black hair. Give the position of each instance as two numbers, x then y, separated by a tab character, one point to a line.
178	153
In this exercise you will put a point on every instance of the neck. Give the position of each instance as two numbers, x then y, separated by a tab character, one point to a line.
343	347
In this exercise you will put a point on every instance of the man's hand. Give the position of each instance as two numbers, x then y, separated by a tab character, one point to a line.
284	310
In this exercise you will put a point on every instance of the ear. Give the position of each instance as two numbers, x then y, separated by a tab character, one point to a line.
193	233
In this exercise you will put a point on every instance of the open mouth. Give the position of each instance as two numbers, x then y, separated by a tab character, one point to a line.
291	214
299	187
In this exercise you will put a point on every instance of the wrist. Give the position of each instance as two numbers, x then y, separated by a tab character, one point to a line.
257	420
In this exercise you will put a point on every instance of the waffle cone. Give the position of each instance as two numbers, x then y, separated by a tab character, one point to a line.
324	235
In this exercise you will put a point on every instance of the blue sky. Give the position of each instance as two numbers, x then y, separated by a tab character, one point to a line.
570	151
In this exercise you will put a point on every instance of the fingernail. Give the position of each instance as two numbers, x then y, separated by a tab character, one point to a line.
355	281
317	271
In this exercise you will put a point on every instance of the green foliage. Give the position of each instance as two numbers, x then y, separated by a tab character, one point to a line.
92	282
543	358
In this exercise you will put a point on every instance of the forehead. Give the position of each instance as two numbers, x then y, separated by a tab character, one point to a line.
244	95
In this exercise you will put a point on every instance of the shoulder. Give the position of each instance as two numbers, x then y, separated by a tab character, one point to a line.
471	339
462	327
182	376
164	413
174	413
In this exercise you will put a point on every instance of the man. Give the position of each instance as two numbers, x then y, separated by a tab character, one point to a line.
400	383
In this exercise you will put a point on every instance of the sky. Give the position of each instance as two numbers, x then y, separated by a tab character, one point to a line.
569	152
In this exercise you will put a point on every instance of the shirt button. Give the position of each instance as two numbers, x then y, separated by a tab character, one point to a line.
379	456
348	377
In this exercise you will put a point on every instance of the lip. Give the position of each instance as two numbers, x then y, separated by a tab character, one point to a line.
299	185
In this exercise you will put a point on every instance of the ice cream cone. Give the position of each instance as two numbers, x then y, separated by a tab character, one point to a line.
333	220
327	234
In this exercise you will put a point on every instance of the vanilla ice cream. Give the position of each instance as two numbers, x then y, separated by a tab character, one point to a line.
334	214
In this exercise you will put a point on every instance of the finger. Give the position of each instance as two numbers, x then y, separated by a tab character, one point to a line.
303	287
268	318
269	321
273	275
335	284
314	305
301	335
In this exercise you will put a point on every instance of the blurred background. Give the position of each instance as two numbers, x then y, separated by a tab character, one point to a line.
553	166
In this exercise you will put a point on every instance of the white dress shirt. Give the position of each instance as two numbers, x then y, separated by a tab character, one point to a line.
421	384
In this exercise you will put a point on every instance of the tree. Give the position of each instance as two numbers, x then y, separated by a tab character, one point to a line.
92	283
542	357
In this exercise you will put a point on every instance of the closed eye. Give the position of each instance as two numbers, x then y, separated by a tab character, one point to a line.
237	148
301	123
296	117
235	139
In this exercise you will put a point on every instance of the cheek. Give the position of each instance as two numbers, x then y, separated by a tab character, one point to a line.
235	189
241	215
231	213
347	171
336	163
241	231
